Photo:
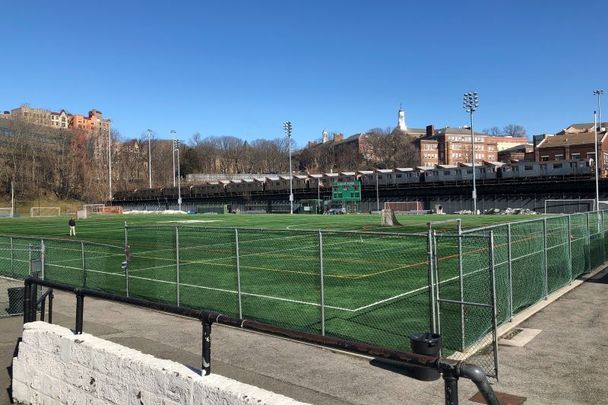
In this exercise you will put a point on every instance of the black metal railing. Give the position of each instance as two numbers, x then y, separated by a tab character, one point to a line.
451	370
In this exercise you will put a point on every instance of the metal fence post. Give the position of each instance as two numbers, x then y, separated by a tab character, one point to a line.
510	270
494	310
177	266
545	261
437	283
238	272
126	261
431	281
588	237
42	250
569	236
321	268
84	266
461	279
29	259
12	256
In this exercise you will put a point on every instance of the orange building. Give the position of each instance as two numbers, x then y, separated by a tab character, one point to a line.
94	122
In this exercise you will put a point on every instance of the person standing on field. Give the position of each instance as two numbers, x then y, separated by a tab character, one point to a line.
72	225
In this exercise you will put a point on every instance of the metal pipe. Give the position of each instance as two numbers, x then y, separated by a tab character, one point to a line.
206	354
27	296
469	371
51	297
79	312
476	374
450	380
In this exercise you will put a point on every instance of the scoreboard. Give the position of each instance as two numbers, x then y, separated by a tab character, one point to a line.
346	191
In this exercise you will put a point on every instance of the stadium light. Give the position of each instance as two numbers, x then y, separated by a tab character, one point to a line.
470	103
149	131
599	93
173	154
287	127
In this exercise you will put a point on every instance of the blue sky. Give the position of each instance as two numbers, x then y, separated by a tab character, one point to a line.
243	67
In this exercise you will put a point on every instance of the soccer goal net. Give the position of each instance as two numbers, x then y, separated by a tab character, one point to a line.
6	212
404	207
569	206
92	209
45	211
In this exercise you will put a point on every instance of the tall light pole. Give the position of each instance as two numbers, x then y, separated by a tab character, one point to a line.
597	163
598	93
179	179
110	159
149	131
470	103
287	127
173	154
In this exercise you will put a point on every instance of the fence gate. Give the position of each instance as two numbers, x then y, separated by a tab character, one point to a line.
464	292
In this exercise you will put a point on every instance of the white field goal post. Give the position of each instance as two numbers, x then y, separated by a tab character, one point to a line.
569	205
404	207
45	211
6	212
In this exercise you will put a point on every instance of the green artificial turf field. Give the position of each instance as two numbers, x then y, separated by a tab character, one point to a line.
373	288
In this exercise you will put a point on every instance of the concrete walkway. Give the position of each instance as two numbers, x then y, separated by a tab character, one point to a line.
562	365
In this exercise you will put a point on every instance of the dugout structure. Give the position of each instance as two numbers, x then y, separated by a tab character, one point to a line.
404	207
569	206
347	193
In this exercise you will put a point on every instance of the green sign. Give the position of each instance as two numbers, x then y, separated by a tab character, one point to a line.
346	191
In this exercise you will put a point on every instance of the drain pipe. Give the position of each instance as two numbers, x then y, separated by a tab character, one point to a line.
453	370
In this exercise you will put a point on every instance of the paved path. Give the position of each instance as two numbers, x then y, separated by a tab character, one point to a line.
562	365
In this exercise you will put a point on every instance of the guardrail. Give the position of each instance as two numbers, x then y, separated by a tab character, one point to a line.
451	370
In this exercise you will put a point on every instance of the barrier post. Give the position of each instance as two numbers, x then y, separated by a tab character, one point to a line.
510	270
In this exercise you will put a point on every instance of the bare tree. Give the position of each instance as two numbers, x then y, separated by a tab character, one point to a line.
514	130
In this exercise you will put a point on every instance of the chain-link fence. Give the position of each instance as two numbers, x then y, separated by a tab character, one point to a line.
377	288
18	259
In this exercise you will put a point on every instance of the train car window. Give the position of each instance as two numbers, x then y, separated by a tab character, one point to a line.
557	166
528	168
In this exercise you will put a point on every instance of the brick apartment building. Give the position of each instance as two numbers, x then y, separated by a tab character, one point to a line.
92	123
575	142
450	146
